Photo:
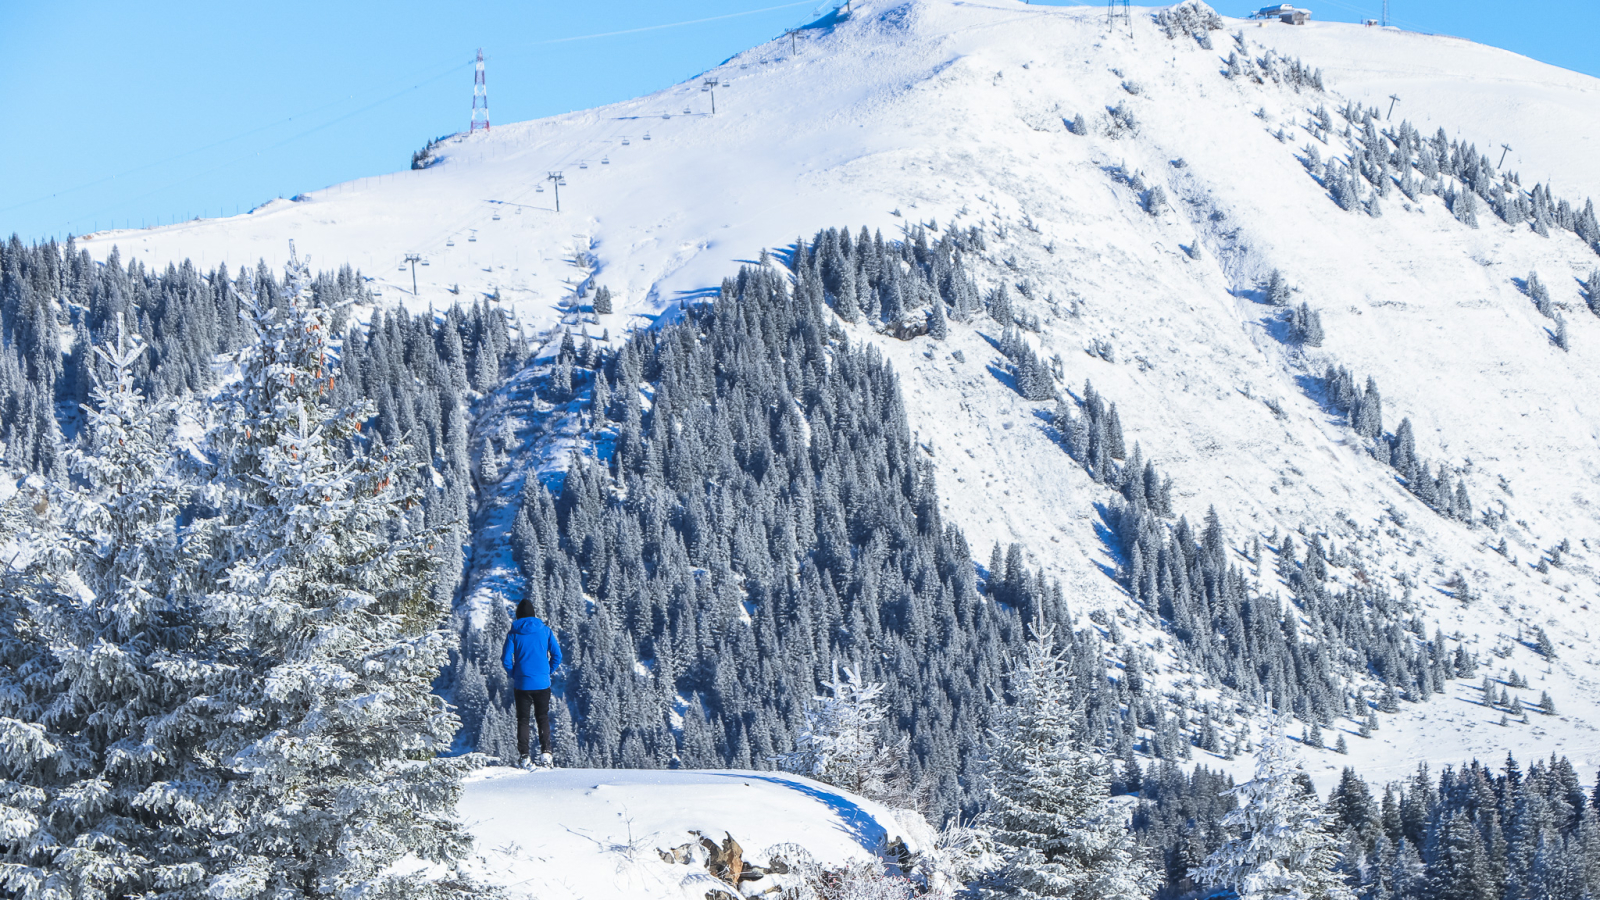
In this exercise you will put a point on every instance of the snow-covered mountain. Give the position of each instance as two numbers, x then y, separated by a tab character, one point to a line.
1138	252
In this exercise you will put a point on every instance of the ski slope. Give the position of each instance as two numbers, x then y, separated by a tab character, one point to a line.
952	112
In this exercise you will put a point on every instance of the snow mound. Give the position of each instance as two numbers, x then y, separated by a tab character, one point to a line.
594	833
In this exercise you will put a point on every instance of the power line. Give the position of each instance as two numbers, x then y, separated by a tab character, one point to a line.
227	140
606	34
310	131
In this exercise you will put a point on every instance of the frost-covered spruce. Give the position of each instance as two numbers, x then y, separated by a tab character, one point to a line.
842	741
325	777
1049	807
1282	847
100	681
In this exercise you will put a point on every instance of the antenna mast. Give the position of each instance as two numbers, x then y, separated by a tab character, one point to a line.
1386	13
480	97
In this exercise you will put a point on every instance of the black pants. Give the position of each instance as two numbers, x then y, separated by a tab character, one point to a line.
539	702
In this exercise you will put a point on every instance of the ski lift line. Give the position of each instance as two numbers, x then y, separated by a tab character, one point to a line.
606	34
284	142
565	161
1369	14
208	146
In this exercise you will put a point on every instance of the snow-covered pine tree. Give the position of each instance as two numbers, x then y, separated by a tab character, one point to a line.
938	321
842	741
1277	289
1049	806
1282	847
325	778
97	690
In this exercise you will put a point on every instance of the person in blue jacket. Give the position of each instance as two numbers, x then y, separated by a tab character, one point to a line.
530	655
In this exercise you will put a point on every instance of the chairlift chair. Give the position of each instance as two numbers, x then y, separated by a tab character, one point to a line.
605	160
624	142
473	239
647	135
424	262
496	217
538	188
583	165
450	242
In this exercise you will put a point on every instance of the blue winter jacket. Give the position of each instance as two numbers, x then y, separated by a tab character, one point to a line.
531	652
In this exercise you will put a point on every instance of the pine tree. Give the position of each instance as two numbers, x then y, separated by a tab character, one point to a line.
92	695
842	740
1049	809
938	322
1277	289
329	639
1000	305
1281	846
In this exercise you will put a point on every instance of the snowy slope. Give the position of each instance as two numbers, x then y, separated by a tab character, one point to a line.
952	112
1474	92
594	833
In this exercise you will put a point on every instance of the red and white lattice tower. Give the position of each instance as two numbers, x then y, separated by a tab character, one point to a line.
480	98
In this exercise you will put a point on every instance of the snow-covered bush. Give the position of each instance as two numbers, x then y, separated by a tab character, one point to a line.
1191	17
855	880
1121	122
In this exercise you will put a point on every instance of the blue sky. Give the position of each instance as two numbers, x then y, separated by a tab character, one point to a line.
122	113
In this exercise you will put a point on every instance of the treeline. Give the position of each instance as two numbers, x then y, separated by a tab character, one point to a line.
422	372
1471	832
53	296
1382	160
